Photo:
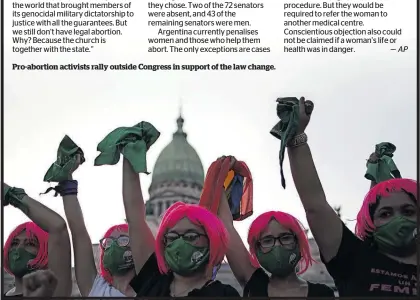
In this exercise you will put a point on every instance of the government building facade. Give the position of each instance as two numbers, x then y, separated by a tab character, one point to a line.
178	175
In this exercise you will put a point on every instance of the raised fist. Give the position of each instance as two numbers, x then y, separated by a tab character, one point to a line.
305	111
41	283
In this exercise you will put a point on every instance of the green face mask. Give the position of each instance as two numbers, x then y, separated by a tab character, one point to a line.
18	262
280	262
184	258
118	260
397	237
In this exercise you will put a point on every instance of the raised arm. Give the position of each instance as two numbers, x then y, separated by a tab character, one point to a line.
84	260
59	252
325	225
85	267
237	255
141	237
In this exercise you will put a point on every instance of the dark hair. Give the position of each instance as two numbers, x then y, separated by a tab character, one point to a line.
374	206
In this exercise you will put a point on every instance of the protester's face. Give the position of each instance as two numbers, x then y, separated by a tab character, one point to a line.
277	250
23	250
186	248
394	205
276	234
191	233
30	244
117	258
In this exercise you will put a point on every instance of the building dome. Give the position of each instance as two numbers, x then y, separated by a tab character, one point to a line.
178	176
178	161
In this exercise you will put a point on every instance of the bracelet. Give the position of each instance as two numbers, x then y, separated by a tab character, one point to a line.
64	188
67	188
298	140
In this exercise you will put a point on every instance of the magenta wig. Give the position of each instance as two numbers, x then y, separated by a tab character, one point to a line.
289	222
104	272
32	231
364	224
216	232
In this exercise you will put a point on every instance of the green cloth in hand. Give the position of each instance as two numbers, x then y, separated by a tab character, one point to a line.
285	130
131	142
66	160
384	168
14	197
5	200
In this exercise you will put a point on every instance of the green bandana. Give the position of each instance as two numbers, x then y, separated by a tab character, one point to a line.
280	262
397	237
118	260
66	159
184	259
15	197
18	262
131	142
285	130
385	168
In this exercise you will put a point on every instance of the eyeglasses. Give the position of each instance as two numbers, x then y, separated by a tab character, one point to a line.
286	239
122	241
189	237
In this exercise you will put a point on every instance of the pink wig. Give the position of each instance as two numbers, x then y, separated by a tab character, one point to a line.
216	232
364	224
289	222
32	231
104	272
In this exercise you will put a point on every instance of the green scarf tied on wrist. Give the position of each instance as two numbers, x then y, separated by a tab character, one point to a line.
66	160
131	142
285	129
384	168
14	196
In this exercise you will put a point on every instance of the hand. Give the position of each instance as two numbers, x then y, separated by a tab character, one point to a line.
224	211
232	161
305	112
76	164
373	158
41	283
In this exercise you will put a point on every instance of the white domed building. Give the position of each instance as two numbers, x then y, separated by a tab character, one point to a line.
178	175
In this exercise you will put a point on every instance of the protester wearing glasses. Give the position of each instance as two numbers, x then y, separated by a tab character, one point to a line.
379	260
116	264
41	244
190	242
279	252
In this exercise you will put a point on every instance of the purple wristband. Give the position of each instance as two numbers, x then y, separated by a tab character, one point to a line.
68	187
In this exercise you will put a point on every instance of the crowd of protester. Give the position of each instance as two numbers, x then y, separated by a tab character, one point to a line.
377	260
